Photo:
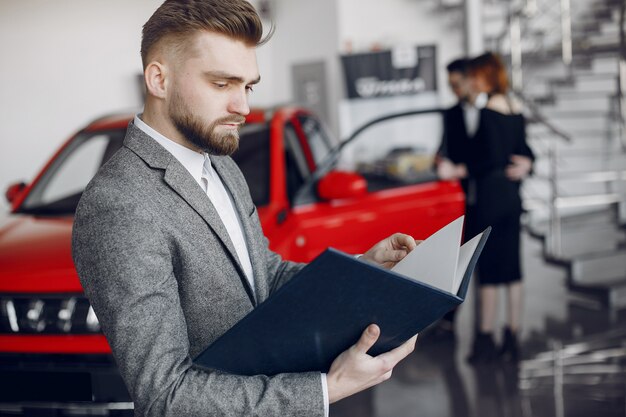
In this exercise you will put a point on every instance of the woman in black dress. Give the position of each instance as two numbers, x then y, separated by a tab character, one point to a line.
491	164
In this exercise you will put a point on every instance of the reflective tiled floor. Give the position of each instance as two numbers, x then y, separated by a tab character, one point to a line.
574	362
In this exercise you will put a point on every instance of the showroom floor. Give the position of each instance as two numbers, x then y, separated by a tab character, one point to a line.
574	362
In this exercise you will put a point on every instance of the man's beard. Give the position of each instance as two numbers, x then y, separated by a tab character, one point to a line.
201	135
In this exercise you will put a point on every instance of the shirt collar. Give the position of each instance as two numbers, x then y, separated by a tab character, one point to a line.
481	100
190	159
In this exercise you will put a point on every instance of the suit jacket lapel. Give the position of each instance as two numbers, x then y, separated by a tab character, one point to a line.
179	179
254	248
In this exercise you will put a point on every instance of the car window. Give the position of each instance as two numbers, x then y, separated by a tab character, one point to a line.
74	174
318	139
395	152
295	162
60	188
253	158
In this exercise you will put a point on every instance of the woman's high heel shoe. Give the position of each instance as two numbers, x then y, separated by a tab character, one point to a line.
483	350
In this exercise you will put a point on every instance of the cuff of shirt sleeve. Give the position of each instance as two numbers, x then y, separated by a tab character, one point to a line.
325	390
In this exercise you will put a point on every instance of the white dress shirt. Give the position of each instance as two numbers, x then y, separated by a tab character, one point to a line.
471	113
200	167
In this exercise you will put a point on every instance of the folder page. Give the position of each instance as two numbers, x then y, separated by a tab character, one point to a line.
434	261
465	256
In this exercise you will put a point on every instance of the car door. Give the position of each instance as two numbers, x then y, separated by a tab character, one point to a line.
353	224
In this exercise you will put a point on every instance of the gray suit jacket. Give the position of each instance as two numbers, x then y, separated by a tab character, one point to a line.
164	280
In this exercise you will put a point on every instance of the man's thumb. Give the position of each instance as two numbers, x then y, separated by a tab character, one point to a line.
368	338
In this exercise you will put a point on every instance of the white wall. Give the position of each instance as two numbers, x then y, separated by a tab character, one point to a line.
64	63
306	31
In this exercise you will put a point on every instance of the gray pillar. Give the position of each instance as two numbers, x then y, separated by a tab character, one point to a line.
474	44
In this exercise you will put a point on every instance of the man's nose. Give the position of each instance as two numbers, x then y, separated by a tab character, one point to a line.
238	103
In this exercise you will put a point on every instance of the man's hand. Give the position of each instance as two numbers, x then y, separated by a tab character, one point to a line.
447	170
518	169
390	251
354	370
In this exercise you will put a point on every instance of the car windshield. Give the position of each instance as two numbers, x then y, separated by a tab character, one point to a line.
59	189
57	192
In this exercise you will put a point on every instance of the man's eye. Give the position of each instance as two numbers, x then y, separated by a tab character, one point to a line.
220	85
249	89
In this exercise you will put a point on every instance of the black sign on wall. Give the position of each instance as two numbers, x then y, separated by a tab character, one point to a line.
400	71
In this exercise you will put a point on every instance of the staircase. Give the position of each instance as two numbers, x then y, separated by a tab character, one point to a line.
565	58
576	201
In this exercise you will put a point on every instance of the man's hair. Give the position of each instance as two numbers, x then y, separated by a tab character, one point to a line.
177	20
458	65
489	66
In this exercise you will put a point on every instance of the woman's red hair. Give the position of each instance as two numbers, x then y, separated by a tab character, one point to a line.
489	66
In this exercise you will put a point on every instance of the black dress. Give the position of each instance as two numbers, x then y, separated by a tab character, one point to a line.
491	198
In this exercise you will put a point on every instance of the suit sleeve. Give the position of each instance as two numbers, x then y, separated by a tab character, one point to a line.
279	271
125	266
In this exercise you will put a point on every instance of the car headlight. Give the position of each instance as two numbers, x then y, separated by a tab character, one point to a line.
47	314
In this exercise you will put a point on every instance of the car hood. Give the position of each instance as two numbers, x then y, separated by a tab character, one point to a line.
36	254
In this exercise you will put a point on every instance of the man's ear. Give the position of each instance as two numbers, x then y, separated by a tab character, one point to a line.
155	76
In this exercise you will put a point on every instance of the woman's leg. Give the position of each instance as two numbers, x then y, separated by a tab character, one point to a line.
514	305
510	347
488	307
484	348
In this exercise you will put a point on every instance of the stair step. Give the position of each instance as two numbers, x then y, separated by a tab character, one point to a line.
605	64
537	220
584	85
607	269
582	177
571	193
601	104
585	168
593	127
600	149
597	200
573	126
596	220
612	296
574	95
559	114
538	131
583	242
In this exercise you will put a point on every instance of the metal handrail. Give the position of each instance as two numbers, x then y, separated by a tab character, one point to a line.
519	19
621	84
537	116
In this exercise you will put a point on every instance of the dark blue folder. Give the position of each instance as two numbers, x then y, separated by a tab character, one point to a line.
323	310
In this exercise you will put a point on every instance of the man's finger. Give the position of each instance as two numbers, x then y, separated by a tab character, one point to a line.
400	240
396	355
368	338
396	256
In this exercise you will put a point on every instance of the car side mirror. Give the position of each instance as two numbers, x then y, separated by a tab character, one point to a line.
341	184
14	190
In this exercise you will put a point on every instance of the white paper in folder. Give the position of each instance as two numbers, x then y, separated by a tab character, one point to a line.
440	261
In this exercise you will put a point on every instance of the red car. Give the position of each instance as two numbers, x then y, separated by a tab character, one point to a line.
51	347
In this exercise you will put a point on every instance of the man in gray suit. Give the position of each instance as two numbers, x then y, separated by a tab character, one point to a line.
167	241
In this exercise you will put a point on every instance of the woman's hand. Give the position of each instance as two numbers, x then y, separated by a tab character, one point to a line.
519	168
